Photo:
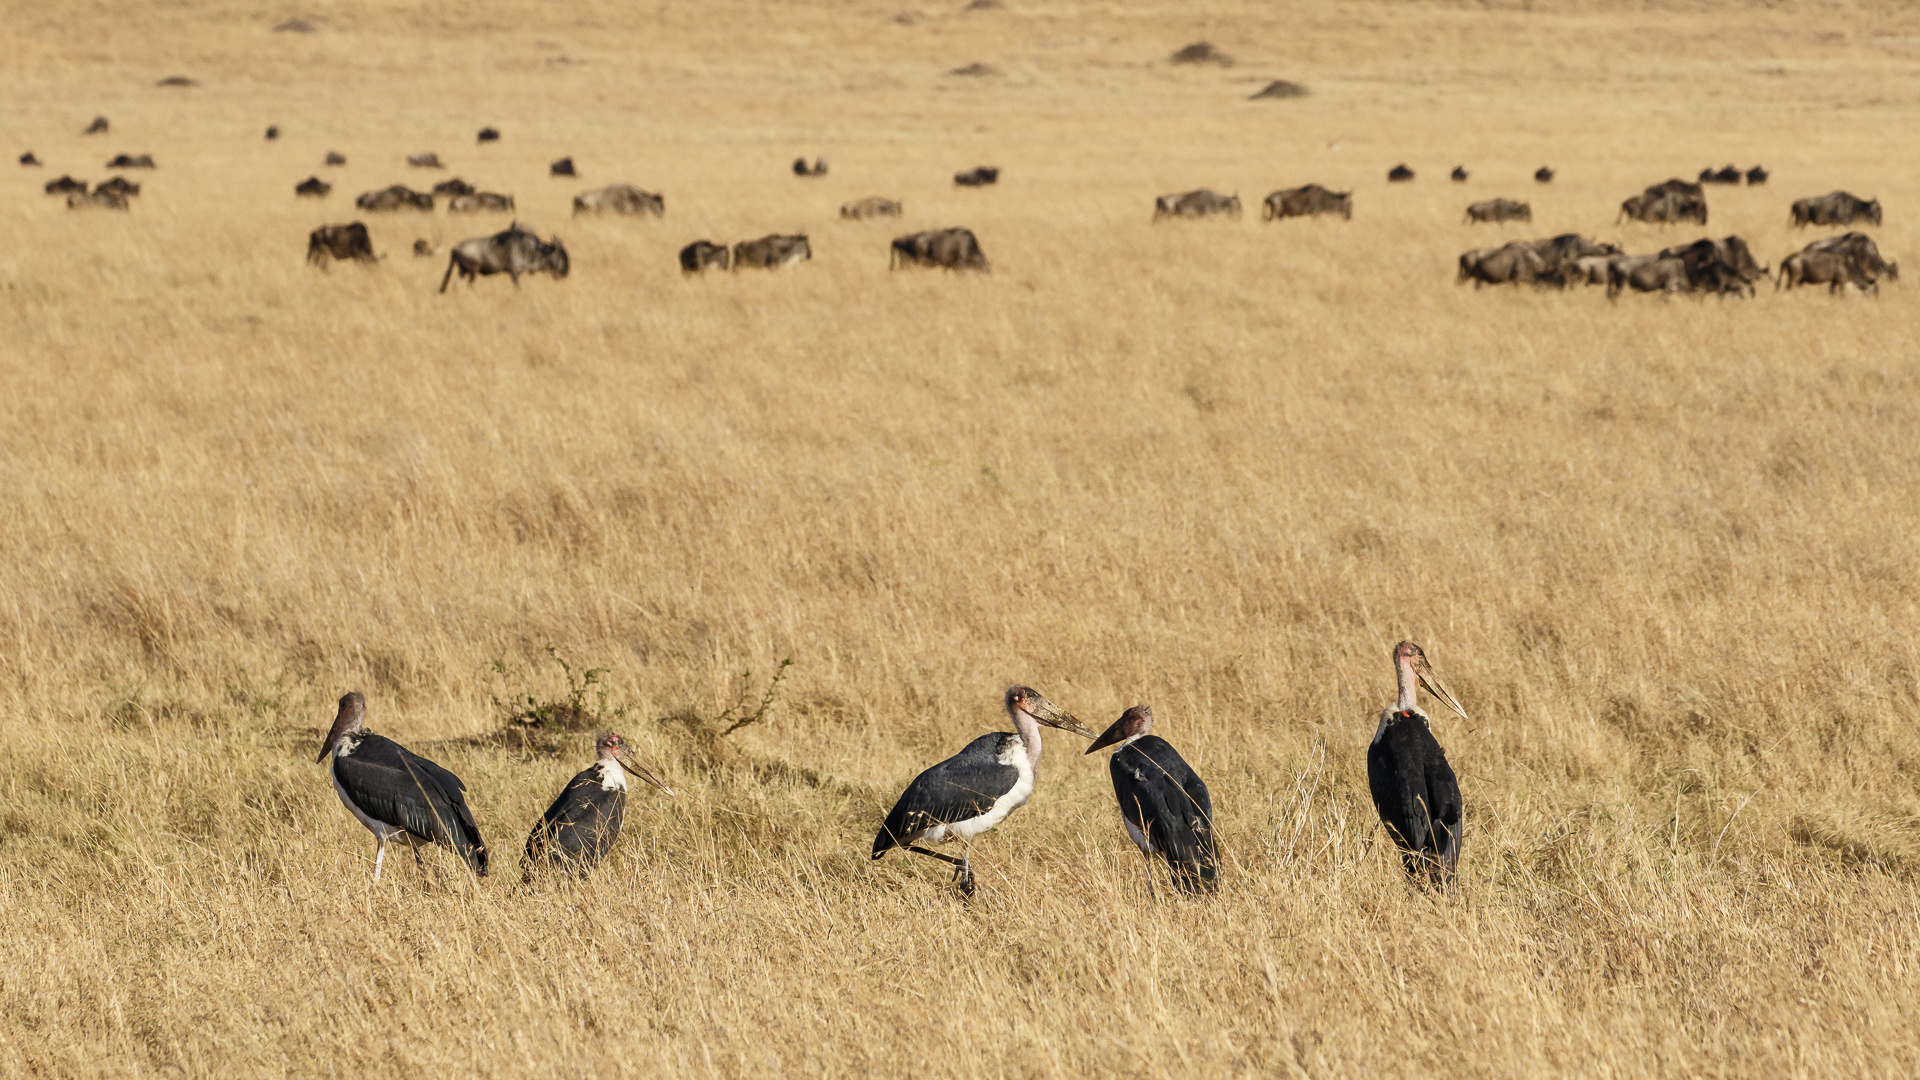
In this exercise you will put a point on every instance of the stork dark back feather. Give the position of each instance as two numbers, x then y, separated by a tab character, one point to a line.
1418	798
1161	795
964	786
396	785
580	827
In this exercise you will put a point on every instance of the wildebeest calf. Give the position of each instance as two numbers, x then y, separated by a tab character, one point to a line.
512	253
771	252
340	242
949	249
701	254
871	207
480	202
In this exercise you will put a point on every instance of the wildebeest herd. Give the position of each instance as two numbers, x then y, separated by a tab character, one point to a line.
1723	266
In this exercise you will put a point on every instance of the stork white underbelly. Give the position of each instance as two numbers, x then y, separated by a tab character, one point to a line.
1013	799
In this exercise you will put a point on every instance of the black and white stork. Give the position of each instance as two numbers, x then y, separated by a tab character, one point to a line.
1165	806
397	794
580	827
977	788
1413	786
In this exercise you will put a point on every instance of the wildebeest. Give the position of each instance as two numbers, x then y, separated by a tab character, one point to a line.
1543	175
871	207
1307	201
28	159
480	202
1718	266
701	254
1193	204
770	252
424	248
312	187
427	160
98	127
513	252
1459	174
488	134
1829	268
978	177
1648	273
1835	208
801	168
397	197
1500	210
131	161
118	185
1512	263
949	249
104	200
330	242
64	185
273	132
1558	254
563	167
1861	250
1667	202
453	185
1399	174
335	157
1728	175
1757	175
620	199
1589	269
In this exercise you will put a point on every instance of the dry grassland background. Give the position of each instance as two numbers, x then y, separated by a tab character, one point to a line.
1663	551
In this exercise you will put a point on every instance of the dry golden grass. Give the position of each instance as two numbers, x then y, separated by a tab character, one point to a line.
1665	552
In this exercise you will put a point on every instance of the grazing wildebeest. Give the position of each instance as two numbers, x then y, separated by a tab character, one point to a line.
1193	204
488	134
480	202
620	199
1648	273
1860	248
28	159
563	167
1512	263
98	127
313	187
978	177
701	254
1667	202
1719	266
104	200
330	242
131	161
1829	268
273	132
119	185
397	197
1459	174
1757	175
1835	208
335	157
801	168
1399	174
770	252
1543	175
871	207
1728	175
427	160
64	185
1500	210
453	186
1307	201
512	253
949	249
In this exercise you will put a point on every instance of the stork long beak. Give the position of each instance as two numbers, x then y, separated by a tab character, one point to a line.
641	771
1049	714
1110	736
1439	690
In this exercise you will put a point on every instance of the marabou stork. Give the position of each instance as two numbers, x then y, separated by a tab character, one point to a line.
977	788
396	793
1165	806
1413	786
580	827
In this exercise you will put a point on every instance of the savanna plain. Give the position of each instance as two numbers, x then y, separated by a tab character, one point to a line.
1664	551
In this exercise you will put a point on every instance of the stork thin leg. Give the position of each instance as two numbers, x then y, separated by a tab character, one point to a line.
1146	857
917	849
964	878
379	856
